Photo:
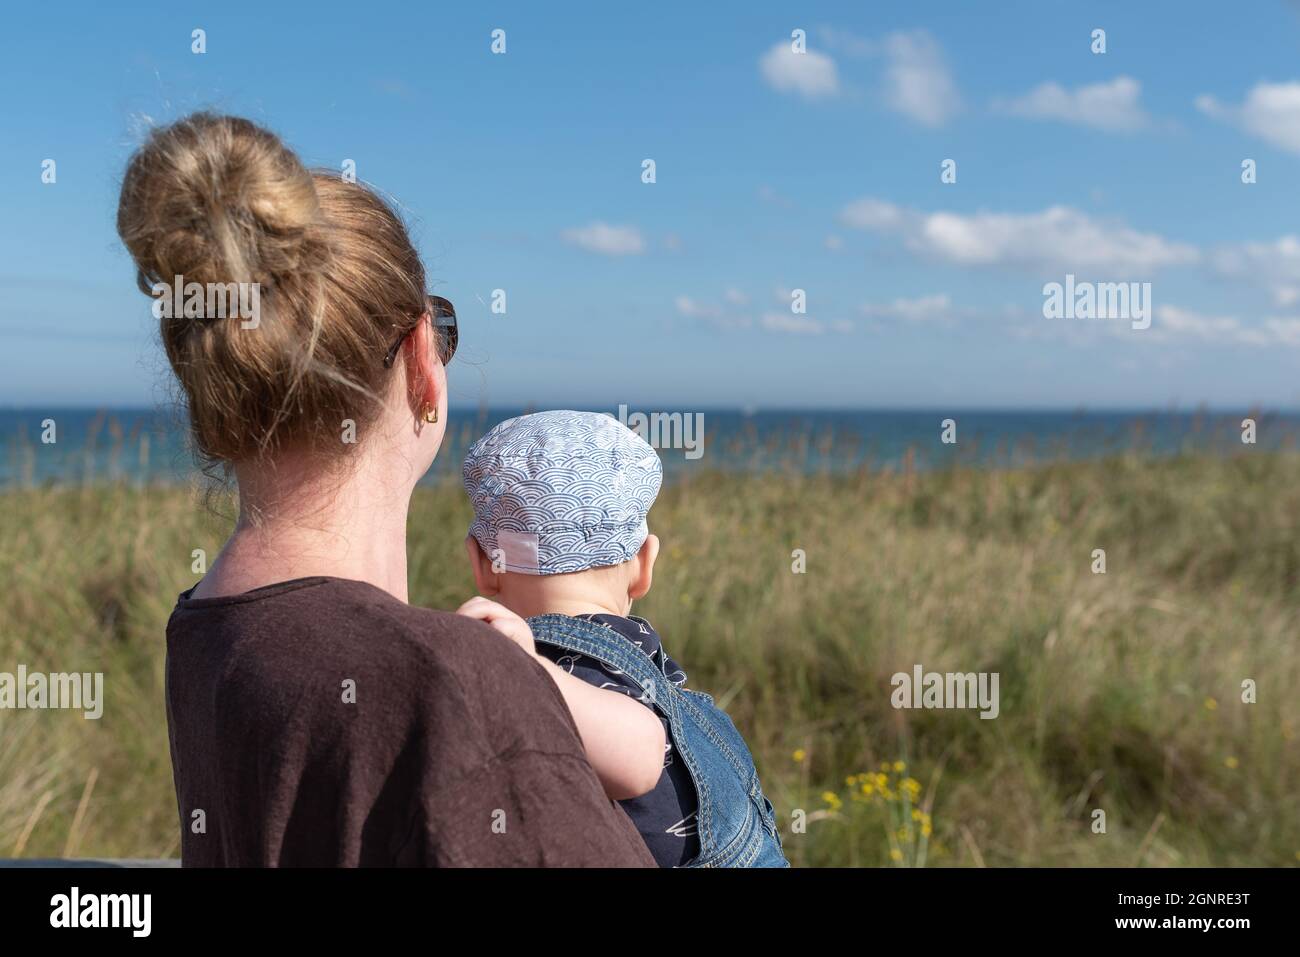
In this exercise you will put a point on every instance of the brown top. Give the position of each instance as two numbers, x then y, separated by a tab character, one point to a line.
323	722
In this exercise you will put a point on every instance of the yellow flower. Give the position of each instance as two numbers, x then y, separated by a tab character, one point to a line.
799	755
895	854
1230	762
832	799
884	765
912	786
927	829
899	766
851	780
916	814
1211	704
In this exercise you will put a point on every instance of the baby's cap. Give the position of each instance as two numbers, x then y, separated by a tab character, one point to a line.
560	492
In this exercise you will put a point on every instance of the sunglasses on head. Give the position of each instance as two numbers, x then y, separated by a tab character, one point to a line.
443	314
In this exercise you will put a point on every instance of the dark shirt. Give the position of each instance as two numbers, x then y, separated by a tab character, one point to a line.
665	816
323	722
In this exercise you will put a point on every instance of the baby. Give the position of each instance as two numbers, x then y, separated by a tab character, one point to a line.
560	538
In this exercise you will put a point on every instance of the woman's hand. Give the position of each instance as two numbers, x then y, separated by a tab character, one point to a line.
502	619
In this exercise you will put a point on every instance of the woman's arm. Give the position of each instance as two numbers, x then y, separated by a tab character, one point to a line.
623	738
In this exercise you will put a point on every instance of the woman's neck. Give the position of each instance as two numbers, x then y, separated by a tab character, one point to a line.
295	524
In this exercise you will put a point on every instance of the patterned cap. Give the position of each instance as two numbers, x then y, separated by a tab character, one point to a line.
560	492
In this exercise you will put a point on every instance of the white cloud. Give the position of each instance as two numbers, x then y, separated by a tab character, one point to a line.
794	324
769	195
1174	324
1174	321
712	313
696	310
1274	264
1112	106
917	81
809	74
850	44
779	321
1171	325
1057	238
869	213
933	308
1285	331
1271	111
605	239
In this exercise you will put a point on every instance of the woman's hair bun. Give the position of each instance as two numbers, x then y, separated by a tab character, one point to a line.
219	199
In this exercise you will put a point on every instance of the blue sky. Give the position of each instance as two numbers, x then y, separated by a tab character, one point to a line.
775	171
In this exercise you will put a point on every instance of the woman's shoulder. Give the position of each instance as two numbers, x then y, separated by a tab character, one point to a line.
335	612
352	627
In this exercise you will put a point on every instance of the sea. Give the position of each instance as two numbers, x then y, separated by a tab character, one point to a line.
79	445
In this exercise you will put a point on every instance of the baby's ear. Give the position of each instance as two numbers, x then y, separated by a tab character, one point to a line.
485	579
643	576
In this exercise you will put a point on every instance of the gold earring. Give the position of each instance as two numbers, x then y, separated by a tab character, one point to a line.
430	413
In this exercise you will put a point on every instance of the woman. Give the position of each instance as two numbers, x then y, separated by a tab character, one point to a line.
315	717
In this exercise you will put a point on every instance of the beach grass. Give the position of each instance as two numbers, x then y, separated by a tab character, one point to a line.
1120	692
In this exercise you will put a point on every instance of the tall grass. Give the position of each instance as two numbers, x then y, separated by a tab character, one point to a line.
1120	691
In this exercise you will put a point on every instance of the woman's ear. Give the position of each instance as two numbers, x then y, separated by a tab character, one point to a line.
424	368
645	568
485	579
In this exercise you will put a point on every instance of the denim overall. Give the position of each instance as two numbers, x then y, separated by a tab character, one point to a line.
735	822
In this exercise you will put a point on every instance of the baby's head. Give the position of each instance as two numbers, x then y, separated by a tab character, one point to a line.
560	502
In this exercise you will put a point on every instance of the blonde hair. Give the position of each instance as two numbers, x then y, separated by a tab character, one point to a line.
218	199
